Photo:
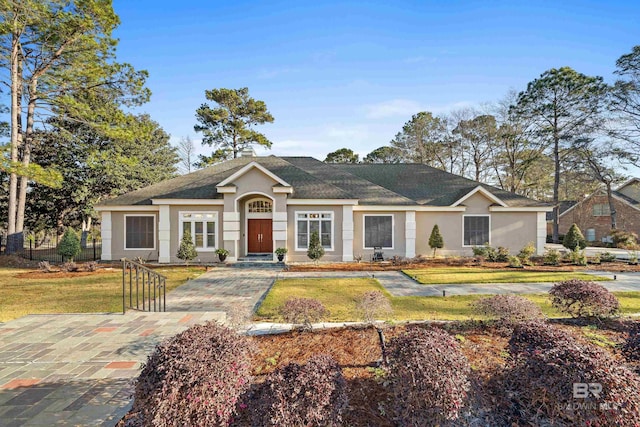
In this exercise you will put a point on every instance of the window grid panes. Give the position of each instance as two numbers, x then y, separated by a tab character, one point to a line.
140	232
601	209
319	222
378	231
202	226
260	206
476	230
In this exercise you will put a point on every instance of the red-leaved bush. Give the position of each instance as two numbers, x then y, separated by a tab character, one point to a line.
508	310
303	311
193	378
580	298
313	394
631	347
428	377
539	379
373	305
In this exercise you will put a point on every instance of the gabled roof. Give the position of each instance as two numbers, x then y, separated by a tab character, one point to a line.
369	184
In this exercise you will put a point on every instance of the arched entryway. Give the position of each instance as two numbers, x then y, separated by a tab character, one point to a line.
259	226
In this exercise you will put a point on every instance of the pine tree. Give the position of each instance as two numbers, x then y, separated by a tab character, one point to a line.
69	246
315	251
435	240
574	238
187	250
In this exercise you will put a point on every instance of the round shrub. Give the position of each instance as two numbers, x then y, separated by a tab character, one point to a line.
313	394
631	347
193	378
508	310
547	361
579	298
574	238
373	305
303	311
428	376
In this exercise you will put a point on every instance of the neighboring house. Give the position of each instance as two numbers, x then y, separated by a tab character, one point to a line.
593	214
257	204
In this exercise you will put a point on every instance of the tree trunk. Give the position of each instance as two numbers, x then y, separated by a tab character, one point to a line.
612	208
556	180
15	120
26	153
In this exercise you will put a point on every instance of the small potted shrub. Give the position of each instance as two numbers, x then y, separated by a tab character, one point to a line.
281	252
222	254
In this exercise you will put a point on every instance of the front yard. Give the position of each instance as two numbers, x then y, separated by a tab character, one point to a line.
339	296
22	292
450	275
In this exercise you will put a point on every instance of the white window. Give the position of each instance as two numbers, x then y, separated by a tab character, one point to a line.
308	222
378	231
476	230
202	226
140	232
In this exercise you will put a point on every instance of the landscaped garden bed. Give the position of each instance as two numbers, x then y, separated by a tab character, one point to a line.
370	398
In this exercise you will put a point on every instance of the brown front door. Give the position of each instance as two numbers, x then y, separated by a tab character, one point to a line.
259	236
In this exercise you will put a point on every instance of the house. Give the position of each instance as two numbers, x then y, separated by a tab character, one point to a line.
593	214
252	205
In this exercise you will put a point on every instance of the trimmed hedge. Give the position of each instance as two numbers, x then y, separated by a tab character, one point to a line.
194	378
428	377
313	394
547	361
580	298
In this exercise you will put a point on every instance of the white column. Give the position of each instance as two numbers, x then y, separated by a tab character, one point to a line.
231	233
105	233
410	234
279	230
347	233
164	234
541	233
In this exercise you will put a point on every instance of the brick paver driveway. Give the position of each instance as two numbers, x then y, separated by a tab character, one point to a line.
77	369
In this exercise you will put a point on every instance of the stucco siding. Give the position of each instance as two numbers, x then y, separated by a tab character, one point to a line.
118	250
513	230
203	256
450	225
399	237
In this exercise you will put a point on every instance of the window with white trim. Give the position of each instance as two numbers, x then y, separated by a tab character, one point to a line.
140	232
476	230
378	231
308	222
202	226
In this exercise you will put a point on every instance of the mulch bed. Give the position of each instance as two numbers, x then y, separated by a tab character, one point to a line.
37	274
357	351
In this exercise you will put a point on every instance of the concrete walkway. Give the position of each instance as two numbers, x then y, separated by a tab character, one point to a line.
77	369
400	285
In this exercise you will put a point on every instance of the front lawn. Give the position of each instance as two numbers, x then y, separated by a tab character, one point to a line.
450	275
340	295
97	293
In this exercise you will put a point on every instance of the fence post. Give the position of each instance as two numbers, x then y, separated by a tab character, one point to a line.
124	304
30	250
94	249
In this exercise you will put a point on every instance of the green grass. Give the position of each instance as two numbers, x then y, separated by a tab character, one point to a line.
339	297
449	275
98	293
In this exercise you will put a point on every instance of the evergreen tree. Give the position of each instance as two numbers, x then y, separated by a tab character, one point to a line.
69	246
574	238
187	250
315	251
435	240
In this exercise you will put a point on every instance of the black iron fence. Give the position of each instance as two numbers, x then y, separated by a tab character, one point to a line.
143	289
48	250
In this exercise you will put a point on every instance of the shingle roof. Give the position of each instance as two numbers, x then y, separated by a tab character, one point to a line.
370	184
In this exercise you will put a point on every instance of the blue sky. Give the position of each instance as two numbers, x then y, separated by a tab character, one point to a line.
350	74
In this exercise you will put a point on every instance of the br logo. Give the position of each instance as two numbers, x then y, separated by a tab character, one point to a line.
583	390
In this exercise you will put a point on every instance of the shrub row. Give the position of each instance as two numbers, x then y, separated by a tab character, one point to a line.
545	364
